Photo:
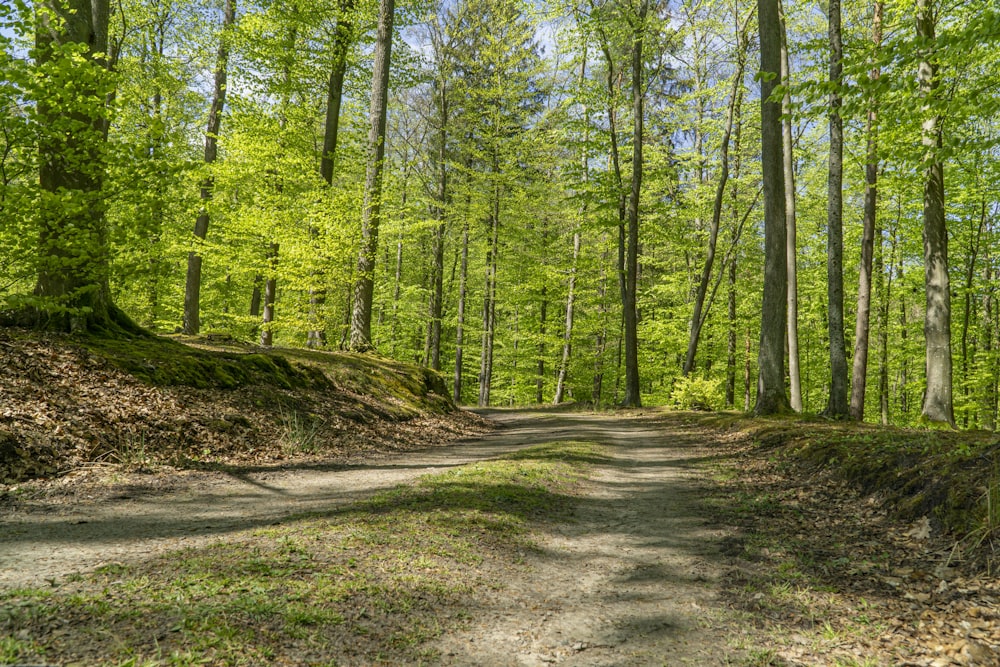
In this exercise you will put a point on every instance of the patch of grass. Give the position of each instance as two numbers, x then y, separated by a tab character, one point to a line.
371	582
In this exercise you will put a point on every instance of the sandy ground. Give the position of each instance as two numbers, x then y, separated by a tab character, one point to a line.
632	581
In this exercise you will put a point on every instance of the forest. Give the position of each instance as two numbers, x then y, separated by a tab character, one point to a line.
700	203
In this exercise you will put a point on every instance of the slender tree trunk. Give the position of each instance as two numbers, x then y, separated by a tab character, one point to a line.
270	296
731	356
837	406
361	316
771	397
746	374
343	36
489	301
568	330
397	288
989	419
540	374
631	316
972	256
884	290
937	405
439	208
192	288
859	370
601	339
791	242
460	327
735	99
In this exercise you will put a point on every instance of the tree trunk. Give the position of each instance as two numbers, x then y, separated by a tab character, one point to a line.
771	397
791	242
837	405
73	267
631	314
859	369
540	374
192	287
972	256
460	327
937	405
568	331
270	296
489	304
316	337
361	316
735	99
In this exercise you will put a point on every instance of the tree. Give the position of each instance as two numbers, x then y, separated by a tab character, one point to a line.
937	405
837	406
192	289
73	88
771	396
791	236
361	317
859	368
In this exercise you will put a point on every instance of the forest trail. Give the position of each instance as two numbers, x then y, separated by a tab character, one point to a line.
632	579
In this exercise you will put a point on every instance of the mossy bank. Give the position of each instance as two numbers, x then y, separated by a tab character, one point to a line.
69	402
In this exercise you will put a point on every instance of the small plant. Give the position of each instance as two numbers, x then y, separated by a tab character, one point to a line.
695	394
300	432
130	452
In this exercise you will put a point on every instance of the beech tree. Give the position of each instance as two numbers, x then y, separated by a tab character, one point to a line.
771	396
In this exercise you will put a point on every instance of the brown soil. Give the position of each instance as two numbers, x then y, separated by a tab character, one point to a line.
670	559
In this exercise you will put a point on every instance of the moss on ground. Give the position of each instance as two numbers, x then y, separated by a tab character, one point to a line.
951	477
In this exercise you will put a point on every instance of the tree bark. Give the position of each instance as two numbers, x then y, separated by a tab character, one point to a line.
364	287
460	326
270	296
631	314
568	330
837	406
859	369
192	287
791	242
73	253
771	397
937	404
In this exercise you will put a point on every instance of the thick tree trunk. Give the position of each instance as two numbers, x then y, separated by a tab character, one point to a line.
192	287
771	397
791	242
859	369
364	287
837	405
73	263
937	405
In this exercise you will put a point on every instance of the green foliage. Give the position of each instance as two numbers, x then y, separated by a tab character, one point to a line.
692	393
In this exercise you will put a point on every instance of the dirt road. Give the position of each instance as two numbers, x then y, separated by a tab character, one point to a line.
632	581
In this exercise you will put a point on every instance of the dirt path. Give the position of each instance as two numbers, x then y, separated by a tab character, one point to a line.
631	581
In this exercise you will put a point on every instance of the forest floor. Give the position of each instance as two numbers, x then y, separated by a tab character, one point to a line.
561	538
